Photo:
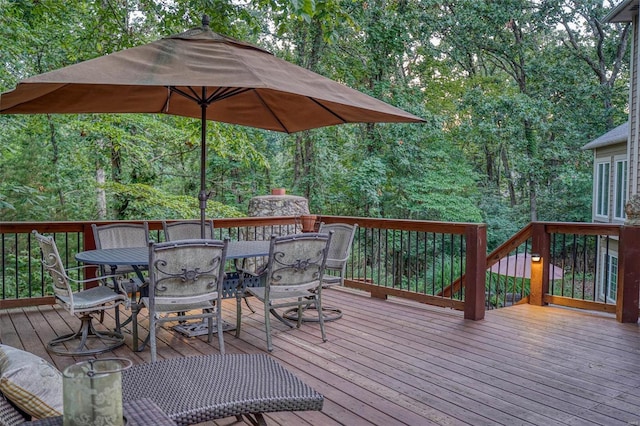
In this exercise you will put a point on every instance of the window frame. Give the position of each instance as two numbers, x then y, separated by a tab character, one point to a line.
620	178
608	291
602	193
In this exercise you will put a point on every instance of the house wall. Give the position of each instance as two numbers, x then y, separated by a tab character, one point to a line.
632	148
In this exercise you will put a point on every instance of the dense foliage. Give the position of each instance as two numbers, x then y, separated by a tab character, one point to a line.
510	91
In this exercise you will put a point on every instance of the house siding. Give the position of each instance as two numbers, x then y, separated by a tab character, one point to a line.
632	146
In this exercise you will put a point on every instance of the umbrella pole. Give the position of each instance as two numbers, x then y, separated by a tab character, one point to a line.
202	196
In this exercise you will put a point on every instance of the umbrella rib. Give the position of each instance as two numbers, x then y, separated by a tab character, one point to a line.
219	94
275	117
328	110
226	92
194	97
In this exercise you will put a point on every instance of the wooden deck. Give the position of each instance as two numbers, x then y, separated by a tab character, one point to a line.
399	363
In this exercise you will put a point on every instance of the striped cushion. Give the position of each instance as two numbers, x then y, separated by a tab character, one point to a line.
30	383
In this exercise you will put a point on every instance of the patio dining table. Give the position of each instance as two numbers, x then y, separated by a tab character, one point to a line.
138	258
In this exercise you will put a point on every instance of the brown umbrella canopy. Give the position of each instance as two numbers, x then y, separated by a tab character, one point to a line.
238	82
205	75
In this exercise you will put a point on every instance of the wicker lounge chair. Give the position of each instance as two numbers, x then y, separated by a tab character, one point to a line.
219	386
199	389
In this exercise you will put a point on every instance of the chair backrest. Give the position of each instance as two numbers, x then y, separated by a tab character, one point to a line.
257	265
52	263
341	243
296	262
186	271
187	230
118	235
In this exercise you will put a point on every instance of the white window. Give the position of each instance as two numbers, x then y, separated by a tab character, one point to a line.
620	189
602	189
609	278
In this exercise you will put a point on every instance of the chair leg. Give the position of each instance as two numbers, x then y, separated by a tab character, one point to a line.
109	340
219	326
281	318
238	314
255	419
329	313
209	326
117	319
246	301
318	306
267	326
152	337
301	309
135	310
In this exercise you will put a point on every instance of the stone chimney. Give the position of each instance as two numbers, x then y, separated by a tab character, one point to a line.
278	204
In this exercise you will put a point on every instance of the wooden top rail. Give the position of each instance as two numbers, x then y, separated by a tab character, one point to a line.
80	226
582	228
458	228
377	223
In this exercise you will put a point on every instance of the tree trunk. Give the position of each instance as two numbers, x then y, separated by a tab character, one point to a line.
101	197
507	173
56	157
489	160
533	200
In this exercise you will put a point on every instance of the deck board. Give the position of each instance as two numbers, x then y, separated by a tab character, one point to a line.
396	362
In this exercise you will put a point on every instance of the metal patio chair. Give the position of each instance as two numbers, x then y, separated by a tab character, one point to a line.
187	230
335	267
81	303
186	276
118	235
294	277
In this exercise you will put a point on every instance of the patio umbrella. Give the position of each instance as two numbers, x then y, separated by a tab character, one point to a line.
205	75
519	265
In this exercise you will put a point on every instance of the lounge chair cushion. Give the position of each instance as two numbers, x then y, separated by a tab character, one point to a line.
30	383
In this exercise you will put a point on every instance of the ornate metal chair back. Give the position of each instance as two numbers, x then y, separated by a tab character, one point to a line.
296	262
186	271
52	263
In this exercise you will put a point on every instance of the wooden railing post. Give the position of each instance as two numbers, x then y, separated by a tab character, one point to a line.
476	272
539	283
628	275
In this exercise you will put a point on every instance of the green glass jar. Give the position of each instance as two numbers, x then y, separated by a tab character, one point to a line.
92	392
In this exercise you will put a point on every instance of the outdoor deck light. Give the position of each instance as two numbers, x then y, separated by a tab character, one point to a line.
535	257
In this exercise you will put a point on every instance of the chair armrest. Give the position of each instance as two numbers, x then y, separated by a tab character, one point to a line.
117	279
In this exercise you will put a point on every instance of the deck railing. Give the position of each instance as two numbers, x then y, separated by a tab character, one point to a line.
443	264
403	258
577	262
581	266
